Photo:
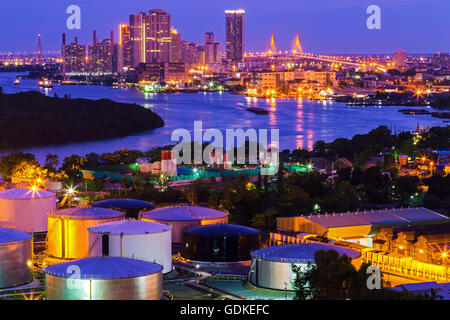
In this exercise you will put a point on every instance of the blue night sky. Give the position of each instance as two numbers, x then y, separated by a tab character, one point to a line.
326	26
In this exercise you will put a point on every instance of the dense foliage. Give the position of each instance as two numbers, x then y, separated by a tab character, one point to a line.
33	119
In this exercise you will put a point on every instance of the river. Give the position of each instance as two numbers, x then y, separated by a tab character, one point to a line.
300	122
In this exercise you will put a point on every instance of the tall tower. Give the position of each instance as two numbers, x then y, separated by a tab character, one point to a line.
234	30
39	50
297	48
272	49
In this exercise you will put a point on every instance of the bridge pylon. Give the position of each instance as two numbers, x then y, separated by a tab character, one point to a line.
296	48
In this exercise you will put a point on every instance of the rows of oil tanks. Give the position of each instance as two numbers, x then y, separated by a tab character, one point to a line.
108	256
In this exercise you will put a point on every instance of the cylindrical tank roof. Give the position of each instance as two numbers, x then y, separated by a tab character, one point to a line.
130	227
25	194
183	213
123	204
105	268
222	230
10	235
299	253
86	213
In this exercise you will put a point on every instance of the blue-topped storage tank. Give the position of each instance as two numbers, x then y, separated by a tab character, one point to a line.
16	250
184	217
108	278
131	207
220	243
271	267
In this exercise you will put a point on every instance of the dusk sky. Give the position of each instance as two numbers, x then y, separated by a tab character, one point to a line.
326	26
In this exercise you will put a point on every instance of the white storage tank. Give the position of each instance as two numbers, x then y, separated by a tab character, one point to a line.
16	250
271	267
184	217
143	240
26	209
107	278
68	235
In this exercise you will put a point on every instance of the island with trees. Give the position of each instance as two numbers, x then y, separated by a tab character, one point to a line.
29	119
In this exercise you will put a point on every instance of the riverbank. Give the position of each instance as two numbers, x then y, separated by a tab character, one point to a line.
31	119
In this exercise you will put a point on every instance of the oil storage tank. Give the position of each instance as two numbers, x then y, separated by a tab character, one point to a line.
68	235
184	217
271	267
220	243
144	240
104	278
26	209
16	251
131	207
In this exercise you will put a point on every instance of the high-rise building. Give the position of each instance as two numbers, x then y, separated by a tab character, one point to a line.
400	59
234	21
137	38
101	55
192	54
124	48
212	52
175	50
74	57
441	59
150	37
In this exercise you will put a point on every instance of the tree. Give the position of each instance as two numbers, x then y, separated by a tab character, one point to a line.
29	170
9	163
51	162
72	166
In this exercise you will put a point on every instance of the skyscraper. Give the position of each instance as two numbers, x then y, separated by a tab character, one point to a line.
137	38
150	37
101	55
158	36
212	52
400	59
74	56
234	21
175	50
124	48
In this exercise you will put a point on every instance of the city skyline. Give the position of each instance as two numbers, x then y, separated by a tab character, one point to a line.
344	32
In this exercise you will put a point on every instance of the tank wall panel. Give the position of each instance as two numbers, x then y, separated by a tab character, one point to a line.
140	288
14	259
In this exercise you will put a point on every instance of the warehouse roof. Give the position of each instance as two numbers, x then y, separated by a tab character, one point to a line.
25	194
104	268
183	213
222	230
10	235
123	204
86	213
300	253
376	217
130	227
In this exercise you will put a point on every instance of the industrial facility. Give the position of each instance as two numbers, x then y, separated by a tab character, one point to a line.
144	240
68	235
359	226
16	251
131	207
220	243
26	209
107	278
272	267
184	217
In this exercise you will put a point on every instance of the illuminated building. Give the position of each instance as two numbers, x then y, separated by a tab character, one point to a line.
441	59
192	54
361	226
124	48
234	30
150	37
400	59
101	55
212	51
149	72
175	50
74	57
